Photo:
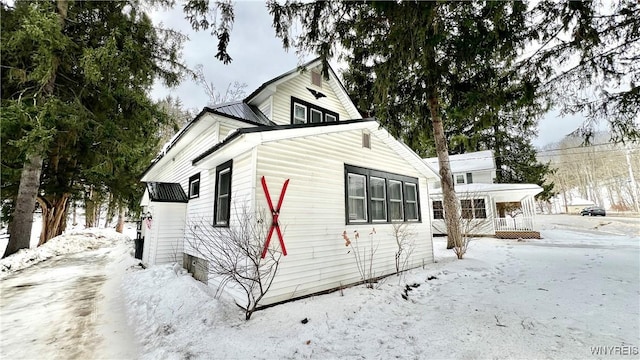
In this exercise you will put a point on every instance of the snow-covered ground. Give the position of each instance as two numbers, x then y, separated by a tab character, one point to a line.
573	292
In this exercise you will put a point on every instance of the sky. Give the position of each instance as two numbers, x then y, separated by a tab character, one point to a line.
258	56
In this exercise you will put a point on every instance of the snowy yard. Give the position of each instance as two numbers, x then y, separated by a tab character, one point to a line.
574	292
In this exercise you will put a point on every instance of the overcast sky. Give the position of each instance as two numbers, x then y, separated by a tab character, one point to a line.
258	56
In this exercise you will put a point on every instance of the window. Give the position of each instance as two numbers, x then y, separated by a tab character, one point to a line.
411	201
396	212
194	186
378	199
222	203
459	179
357	194
299	114
473	209
303	112
469	178
438	210
479	211
373	196
316	116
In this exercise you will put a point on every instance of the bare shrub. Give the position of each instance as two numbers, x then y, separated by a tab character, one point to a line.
363	255
405	240
234	255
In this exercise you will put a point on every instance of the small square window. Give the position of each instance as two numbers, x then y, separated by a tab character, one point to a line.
329	118
194	186
459	179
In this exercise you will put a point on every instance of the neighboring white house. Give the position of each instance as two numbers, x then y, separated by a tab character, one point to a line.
488	209
345	174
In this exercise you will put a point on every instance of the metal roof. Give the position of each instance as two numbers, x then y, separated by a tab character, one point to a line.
242	110
166	192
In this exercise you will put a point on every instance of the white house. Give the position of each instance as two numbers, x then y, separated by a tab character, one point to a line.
344	173
488	209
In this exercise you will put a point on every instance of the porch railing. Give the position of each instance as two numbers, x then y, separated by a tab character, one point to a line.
513	224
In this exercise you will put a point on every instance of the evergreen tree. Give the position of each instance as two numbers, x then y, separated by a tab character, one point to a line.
77	82
421	65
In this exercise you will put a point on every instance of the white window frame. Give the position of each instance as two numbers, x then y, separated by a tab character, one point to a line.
327	116
401	200
219	197
383	198
314	111
358	197
410	202
298	120
195	179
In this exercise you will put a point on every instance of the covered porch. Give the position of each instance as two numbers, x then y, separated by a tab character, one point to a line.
508	210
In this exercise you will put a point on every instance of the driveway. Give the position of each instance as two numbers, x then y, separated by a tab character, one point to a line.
57	310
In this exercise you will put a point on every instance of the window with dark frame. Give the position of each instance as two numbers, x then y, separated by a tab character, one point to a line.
479	209
473	209
222	205
357	197
396	209
438	210
194	186
303	112
378	191
373	196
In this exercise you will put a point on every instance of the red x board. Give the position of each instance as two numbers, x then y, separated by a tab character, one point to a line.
275	214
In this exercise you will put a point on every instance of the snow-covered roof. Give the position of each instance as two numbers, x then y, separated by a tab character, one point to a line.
473	161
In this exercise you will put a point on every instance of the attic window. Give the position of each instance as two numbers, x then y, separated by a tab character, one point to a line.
316	78
366	140
304	112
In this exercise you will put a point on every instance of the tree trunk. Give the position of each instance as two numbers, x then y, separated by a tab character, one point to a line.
120	225
54	214
112	208
92	203
450	203
20	226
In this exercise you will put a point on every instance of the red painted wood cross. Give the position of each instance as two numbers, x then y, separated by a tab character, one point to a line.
275	213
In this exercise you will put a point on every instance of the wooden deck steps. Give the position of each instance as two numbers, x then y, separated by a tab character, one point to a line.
518	234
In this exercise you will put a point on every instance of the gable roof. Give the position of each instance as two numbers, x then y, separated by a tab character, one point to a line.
166	192
336	86
473	161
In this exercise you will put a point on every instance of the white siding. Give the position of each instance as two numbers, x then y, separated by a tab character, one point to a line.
163	242
297	86
482	227
313	212
265	107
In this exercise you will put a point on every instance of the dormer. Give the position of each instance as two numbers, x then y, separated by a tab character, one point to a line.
304	96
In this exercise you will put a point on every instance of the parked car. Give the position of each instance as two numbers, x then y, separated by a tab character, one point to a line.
593	211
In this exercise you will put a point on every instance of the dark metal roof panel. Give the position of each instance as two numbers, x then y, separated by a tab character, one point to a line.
244	111
166	192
